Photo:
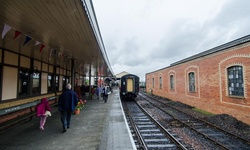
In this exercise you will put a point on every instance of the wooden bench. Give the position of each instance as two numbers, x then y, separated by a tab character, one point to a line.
22	118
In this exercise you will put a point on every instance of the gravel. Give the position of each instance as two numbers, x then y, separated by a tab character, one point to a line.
224	121
190	138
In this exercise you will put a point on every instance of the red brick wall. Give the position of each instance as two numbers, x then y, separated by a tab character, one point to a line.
210	82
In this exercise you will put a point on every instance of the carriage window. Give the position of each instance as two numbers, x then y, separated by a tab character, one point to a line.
23	84
191	82
36	83
235	81
160	83
172	82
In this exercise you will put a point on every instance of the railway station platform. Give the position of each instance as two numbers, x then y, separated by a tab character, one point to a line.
99	126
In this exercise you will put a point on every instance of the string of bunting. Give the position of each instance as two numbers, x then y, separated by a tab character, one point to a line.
7	28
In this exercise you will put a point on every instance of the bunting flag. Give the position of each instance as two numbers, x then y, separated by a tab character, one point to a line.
6	28
26	40
60	54
41	47
17	33
50	54
37	43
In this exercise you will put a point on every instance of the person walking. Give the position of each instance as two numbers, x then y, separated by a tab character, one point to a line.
105	93
66	105
43	111
97	92
101	90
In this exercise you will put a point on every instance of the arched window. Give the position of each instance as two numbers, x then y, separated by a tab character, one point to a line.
160	83
191	78
172	82
235	81
148	82
153	82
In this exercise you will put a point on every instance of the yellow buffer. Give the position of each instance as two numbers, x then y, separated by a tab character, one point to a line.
130	85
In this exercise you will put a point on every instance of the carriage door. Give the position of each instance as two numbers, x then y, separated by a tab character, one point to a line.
130	85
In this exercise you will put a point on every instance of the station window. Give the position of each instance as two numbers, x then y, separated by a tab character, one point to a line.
65	82
23	83
50	83
235	81
160	83
172	82
36	83
57	83
191	78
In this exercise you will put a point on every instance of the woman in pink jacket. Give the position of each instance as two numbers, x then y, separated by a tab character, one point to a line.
43	111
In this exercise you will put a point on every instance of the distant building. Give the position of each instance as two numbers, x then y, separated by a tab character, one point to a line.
119	75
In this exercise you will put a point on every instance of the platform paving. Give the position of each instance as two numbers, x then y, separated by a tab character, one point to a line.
99	126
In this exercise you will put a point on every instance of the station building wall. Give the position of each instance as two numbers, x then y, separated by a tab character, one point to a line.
27	74
204	82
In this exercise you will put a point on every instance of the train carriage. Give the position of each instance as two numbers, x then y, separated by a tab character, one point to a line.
129	86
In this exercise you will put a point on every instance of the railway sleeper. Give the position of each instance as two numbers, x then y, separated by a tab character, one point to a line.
144	123
141	120
152	130
162	146
150	126
157	141
155	135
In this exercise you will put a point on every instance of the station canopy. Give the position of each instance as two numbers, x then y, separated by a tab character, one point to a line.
68	26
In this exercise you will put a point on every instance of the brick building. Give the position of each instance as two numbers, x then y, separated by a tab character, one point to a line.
216	80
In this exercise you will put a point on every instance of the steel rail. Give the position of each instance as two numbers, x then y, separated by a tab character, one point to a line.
203	121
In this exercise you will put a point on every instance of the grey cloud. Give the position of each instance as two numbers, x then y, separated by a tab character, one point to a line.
183	36
133	48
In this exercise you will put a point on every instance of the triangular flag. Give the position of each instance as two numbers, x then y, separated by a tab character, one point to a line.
17	33
50	54
6	28
41	47
26	40
37	43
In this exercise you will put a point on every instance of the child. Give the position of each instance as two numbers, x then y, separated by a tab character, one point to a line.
43	111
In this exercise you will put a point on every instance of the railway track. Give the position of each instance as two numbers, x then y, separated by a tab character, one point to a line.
148	134
222	138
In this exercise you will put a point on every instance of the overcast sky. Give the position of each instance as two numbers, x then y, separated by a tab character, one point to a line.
141	36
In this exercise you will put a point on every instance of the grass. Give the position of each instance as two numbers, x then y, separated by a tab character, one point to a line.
203	112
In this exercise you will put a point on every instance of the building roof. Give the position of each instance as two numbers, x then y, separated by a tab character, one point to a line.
215	49
119	75
67	26
222	47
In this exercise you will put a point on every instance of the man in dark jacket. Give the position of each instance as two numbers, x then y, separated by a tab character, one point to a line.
66	104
